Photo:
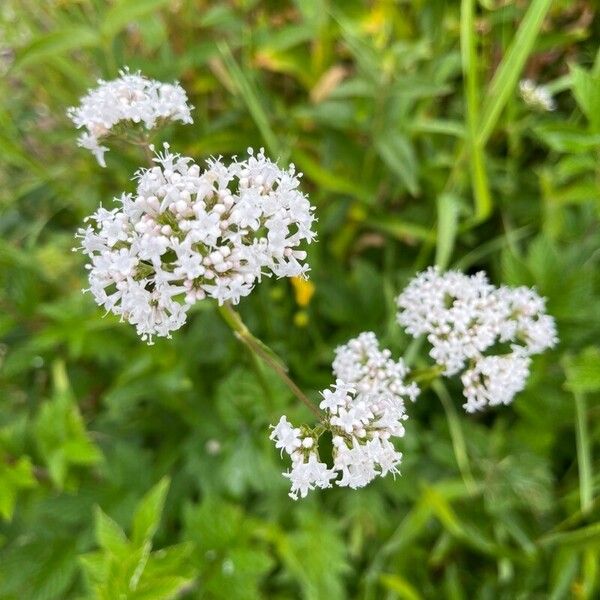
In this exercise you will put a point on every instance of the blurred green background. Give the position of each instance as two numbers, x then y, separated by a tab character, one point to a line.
129	471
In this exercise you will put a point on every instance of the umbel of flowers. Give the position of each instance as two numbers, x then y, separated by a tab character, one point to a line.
188	233
131	97
467	320
363	411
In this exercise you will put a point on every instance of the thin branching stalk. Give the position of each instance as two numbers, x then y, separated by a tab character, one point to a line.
258	348
456	434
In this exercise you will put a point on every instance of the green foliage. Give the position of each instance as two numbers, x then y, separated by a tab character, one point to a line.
124	568
60	433
416	149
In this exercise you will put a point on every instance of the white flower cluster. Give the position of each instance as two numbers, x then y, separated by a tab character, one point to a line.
362	414
131	97
536	96
187	234
465	316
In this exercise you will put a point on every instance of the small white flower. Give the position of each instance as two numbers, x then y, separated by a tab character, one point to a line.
307	475
131	97
286	437
536	96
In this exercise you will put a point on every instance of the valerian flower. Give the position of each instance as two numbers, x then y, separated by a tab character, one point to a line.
186	234
363	411
465	317
536	96
131	97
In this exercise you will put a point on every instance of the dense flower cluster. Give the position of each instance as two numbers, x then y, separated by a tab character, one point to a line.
362	413
464	317
187	234
536	96
131	97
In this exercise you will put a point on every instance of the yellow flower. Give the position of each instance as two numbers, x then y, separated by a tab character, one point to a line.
303	290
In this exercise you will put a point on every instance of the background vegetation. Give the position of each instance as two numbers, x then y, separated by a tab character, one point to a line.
129	471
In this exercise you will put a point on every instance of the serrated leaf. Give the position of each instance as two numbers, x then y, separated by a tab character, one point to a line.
60	432
109	535
14	477
147	515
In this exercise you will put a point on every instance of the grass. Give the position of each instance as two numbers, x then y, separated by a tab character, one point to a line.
146	471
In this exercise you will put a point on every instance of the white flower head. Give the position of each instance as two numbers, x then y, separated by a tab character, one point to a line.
362	414
536	96
186	234
465	317
131	97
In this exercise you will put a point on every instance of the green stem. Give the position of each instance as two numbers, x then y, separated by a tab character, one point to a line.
258	348
456	434
583	453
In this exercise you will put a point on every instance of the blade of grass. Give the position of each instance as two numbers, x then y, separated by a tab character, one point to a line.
456	434
447	226
583	452
468	51
508	72
250	97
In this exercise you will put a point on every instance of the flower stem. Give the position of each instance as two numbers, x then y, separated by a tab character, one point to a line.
583	453
258	348
456	434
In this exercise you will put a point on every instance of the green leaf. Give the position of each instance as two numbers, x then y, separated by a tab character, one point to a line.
13	478
245	87
399	585
109	534
447	227
586	89
565	137
583	371
398	154
57	42
147	515
163	588
481	191
60	432
316	555
213	525
329	180
579	538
